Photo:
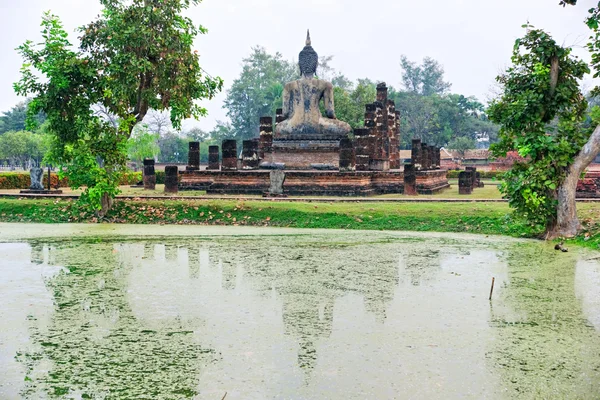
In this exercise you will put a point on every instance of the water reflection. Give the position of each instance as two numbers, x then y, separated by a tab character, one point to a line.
341	317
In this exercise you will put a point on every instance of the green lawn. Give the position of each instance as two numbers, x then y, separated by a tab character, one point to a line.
466	217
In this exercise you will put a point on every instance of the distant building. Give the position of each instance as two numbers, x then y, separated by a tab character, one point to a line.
482	140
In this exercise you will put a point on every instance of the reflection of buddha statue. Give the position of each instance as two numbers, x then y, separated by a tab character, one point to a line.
301	100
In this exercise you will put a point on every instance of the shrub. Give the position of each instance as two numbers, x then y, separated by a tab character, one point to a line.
21	180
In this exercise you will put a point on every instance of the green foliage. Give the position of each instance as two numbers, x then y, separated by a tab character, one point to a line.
461	145
350	102
135	57
20	180
23	146
15	118
257	91
425	79
142	144
531	101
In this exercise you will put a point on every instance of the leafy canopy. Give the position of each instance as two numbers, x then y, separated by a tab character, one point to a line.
136	56
541	87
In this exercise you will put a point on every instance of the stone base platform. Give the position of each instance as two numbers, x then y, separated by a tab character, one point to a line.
29	191
312	183
589	187
432	182
300	154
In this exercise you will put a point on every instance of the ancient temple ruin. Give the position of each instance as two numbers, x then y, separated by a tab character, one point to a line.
319	154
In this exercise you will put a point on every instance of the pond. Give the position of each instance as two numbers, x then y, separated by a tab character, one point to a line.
170	312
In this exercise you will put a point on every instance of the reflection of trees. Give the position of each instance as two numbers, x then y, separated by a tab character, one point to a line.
309	278
546	347
94	345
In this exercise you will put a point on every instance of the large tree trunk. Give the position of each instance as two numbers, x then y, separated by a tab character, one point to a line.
106	203
568	224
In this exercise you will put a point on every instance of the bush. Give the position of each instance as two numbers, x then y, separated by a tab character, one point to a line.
21	180
484	174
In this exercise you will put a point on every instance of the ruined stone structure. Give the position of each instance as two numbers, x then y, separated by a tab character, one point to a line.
229	155
465	182
319	154
428	175
171	179
213	158
589	186
36	175
149	174
194	156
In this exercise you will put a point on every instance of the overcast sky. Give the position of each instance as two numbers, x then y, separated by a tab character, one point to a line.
473	39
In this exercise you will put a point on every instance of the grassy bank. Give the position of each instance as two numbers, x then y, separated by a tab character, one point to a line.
481	218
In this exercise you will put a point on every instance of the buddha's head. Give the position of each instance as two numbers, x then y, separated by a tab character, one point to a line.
309	59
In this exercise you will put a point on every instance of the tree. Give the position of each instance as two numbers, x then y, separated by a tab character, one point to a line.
542	87
173	148
136	56
221	131
142	144
425	79
15	118
197	135
350	100
461	145
257	91
23	147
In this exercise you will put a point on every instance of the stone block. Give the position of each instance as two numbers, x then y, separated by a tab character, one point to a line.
171	179
36	176
213	158
410	180
194	156
276	181
229	160
250	158
347	161
465	183
416	154
149	174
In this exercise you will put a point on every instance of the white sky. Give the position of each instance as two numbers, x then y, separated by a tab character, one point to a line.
473	39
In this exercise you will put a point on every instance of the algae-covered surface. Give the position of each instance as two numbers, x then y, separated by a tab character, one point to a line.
167	312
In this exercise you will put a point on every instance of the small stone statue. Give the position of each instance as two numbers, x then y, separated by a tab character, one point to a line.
36	175
277	179
301	99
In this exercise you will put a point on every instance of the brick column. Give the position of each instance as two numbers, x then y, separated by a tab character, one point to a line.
171	179
347	156
229	158
410	180
194	157
213	158
265	148
425	161
416	154
393	122
361	148
432	161
149	174
465	185
278	115
250	154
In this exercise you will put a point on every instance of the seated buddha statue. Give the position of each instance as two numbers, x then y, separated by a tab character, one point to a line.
301	100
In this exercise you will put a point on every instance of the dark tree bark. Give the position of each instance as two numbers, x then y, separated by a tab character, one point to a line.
106	203
568	224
